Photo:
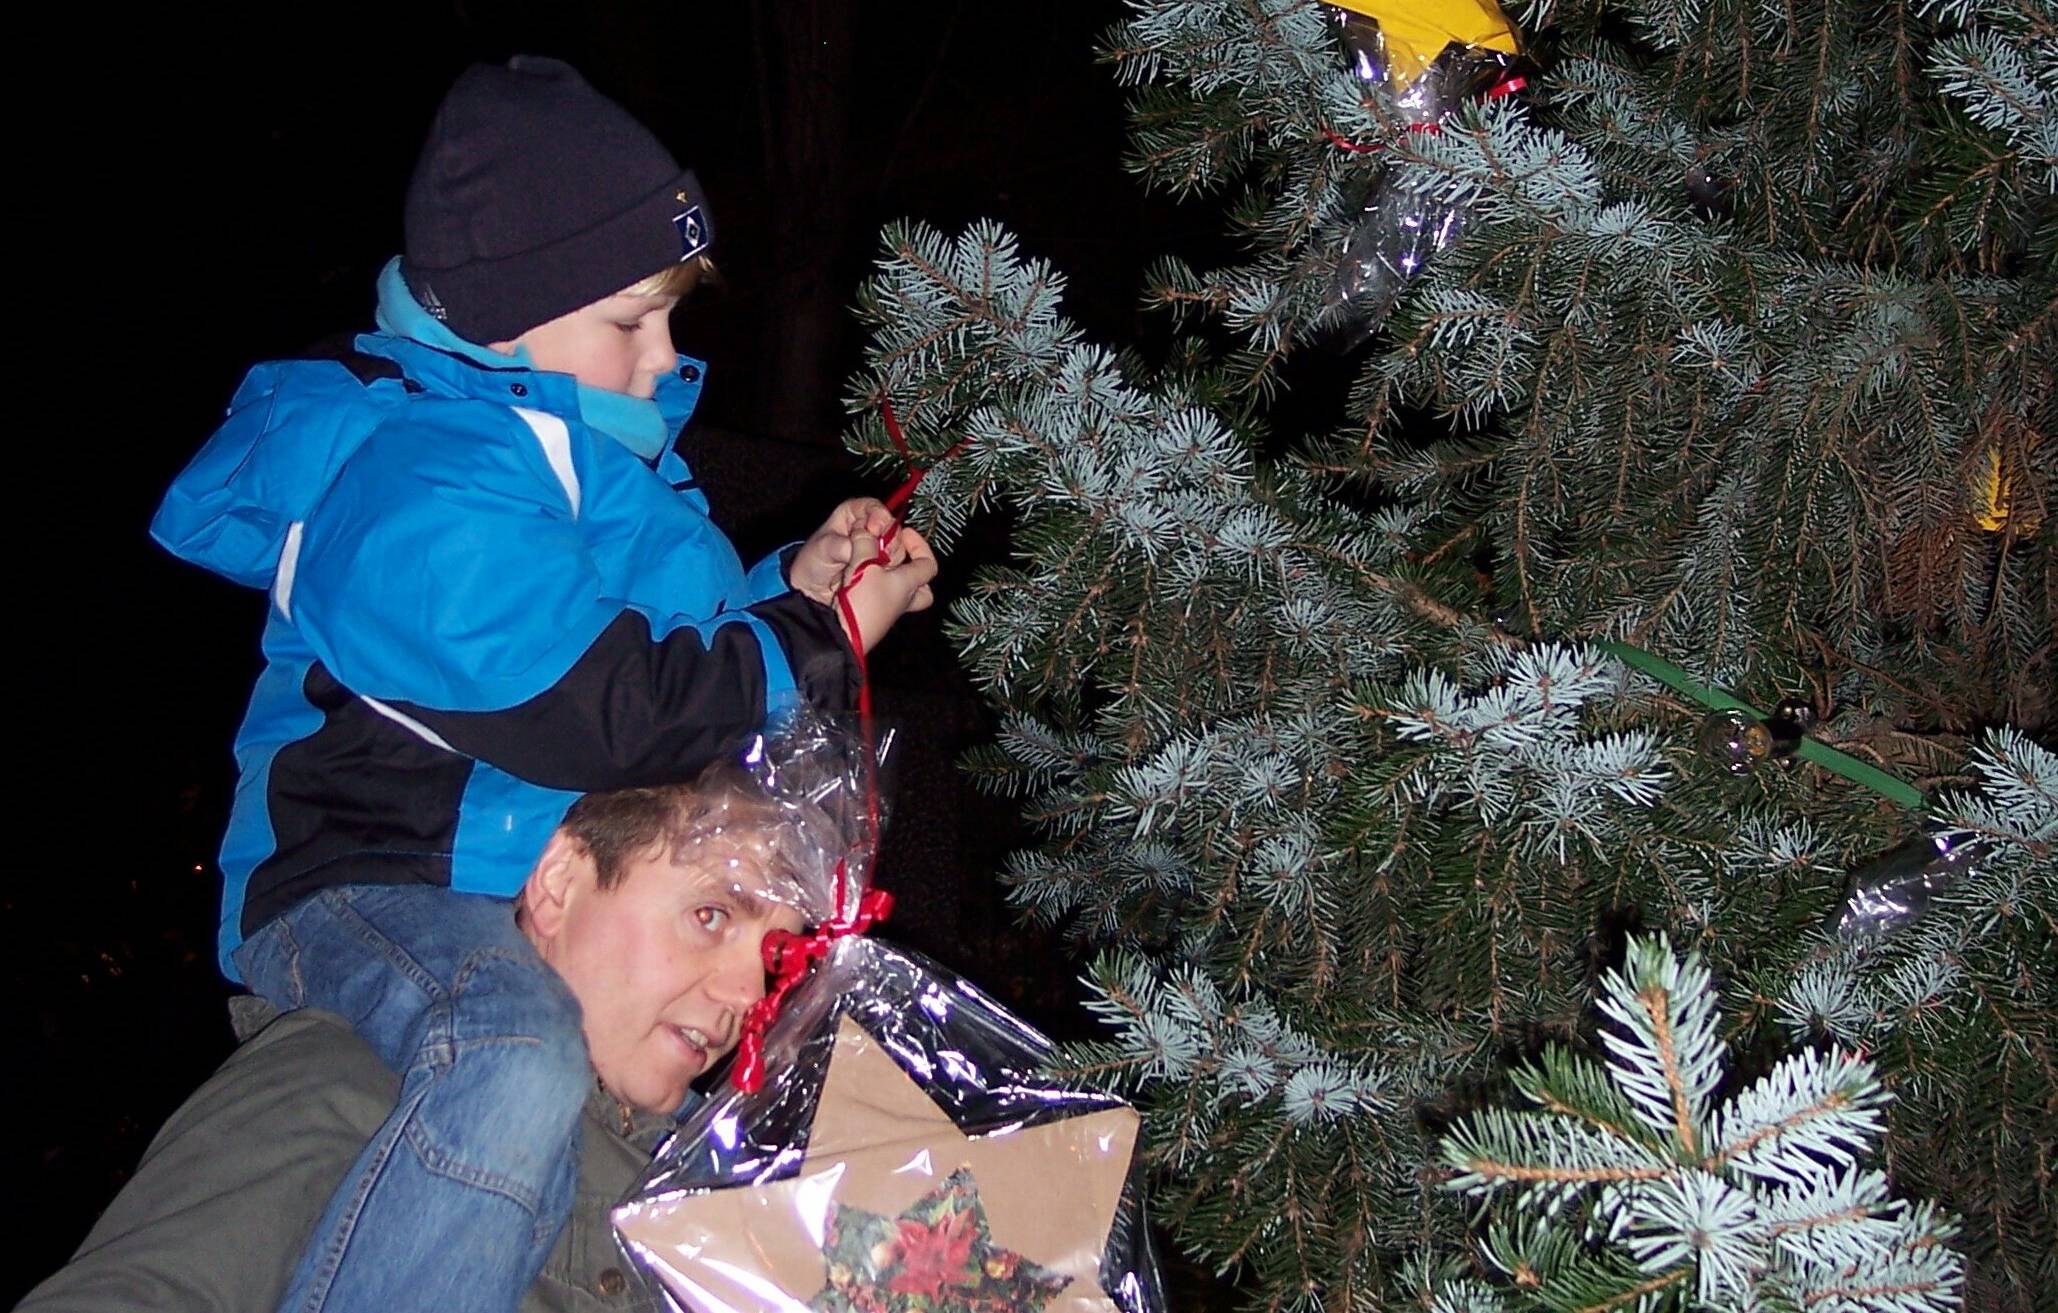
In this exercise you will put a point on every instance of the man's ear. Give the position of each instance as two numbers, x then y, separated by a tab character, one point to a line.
553	883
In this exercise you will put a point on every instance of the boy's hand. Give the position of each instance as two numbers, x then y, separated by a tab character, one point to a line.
819	567
884	593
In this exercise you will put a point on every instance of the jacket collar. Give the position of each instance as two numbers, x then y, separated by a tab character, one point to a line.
645	1130
434	356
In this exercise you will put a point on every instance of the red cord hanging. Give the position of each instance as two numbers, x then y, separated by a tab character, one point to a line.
788	956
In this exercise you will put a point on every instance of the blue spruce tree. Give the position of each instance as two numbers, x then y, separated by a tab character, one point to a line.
1744	357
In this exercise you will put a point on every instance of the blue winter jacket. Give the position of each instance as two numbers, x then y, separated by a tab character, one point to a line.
483	603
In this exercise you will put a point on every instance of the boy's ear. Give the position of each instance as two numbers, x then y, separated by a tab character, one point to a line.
553	883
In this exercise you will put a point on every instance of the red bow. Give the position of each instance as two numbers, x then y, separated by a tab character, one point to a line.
787	959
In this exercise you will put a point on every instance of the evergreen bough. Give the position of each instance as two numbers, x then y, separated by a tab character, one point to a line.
1632	1187
1322	765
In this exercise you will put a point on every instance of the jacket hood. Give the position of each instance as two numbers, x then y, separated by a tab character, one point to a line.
291	426
293	423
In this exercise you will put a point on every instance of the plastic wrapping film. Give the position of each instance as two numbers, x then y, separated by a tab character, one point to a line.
816	775
1895	888
904	1153
894	1147
1402	46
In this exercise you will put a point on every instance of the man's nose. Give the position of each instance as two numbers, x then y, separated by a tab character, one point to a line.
741	980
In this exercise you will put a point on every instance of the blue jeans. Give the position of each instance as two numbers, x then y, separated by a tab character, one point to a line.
456	1202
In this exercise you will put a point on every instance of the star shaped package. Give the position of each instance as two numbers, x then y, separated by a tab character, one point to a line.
903	1155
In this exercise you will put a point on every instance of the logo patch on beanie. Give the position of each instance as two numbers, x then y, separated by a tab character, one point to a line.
692	232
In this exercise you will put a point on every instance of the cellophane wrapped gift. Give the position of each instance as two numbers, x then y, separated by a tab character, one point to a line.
903	1150
1430	56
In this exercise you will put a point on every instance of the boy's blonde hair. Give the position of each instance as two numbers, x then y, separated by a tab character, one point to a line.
677	280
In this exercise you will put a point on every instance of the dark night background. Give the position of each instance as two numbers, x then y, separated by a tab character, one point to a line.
211	187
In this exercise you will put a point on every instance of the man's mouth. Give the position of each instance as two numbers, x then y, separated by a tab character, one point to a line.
694	1038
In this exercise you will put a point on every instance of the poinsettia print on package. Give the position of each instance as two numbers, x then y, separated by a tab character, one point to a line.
904	1154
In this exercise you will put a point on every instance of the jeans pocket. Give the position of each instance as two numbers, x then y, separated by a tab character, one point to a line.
269	962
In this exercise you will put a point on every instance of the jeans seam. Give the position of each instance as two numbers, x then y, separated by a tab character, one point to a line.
290	949
478	958
458	1047
324	1275
435	1159
384	945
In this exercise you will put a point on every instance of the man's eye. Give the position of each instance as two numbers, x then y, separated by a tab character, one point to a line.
711	918
630	328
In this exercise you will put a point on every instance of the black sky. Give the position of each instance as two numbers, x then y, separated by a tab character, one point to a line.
208	188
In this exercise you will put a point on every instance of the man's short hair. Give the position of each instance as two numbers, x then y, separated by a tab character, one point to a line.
725	804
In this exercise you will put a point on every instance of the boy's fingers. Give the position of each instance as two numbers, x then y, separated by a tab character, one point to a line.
849	514
862	547
916	572
924	597
866	513
916	544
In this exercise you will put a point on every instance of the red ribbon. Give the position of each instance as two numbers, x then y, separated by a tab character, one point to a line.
787	959
899	496
1505	87
788	956
894	502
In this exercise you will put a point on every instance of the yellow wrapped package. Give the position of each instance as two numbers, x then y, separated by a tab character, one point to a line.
1416	31
1429	57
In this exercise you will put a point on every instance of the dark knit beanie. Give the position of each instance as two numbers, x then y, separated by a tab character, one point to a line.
535	195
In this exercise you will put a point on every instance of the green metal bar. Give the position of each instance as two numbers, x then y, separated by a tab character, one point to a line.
1843	763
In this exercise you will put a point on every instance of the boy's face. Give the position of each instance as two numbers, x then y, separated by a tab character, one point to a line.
619	343
664	963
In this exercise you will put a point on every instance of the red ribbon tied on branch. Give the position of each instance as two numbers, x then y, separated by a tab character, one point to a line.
1505	87
787	959
899	496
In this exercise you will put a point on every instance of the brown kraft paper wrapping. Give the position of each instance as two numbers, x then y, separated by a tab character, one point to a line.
880	1144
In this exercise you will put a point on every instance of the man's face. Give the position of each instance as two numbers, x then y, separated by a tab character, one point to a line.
663	964
619	343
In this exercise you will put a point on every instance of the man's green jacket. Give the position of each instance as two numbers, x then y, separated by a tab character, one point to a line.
228	1192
